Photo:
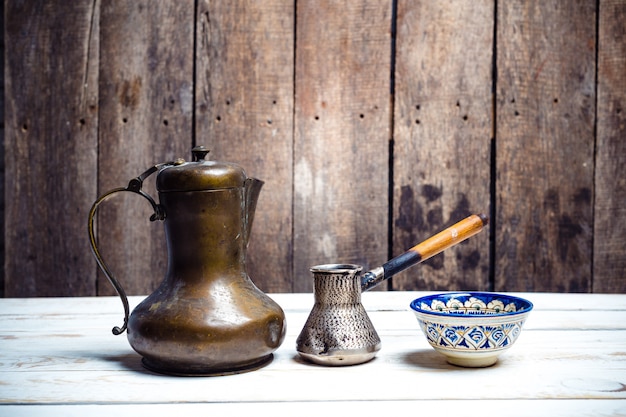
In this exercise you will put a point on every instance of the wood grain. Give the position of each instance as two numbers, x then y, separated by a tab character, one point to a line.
146	111
51	142
609	263
545	146
520	408
244	113
341	136
442	134
374	124
2	152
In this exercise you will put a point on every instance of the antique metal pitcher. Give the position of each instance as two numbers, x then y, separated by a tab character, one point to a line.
207	317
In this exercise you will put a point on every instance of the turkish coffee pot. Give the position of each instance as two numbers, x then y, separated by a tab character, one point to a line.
338	330
207	317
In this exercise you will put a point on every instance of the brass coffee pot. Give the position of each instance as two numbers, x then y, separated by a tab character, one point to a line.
207	317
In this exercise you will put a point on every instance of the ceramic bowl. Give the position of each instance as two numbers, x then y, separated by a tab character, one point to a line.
471	328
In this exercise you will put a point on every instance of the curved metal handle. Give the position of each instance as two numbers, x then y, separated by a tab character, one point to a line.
134	186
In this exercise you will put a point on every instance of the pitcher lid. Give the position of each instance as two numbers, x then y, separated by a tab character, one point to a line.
200	174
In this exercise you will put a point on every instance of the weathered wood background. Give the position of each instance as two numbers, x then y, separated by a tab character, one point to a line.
374	123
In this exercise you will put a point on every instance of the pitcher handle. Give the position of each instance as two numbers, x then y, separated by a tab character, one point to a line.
134	186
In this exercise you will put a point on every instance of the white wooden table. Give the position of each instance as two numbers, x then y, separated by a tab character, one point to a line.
58	357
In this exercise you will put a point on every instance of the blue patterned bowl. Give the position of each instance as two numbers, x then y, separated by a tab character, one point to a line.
471	328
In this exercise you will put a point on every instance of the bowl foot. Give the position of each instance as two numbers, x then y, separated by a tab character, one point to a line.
472	362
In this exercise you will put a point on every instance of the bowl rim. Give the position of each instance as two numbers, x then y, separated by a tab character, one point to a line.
415	304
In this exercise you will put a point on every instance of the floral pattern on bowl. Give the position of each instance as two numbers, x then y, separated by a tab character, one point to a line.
471	329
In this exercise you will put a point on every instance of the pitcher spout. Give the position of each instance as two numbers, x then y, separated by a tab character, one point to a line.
252	189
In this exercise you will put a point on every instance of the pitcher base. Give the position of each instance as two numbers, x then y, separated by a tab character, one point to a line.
199	370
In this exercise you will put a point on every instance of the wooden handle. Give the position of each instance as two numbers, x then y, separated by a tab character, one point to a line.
430	247
454	234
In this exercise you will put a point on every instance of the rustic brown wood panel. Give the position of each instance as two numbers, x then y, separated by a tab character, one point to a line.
2	143
299	94
545	144
609	264
51	125
442	131
244	113
146	112
342	112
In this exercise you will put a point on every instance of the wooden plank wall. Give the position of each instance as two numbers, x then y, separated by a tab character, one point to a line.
51	145
545	116
609	264
374	124
2	228
442	135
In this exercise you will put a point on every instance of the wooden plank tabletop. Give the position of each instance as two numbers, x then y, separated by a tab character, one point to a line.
58	357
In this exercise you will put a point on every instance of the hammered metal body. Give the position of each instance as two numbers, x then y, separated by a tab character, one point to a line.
338	330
